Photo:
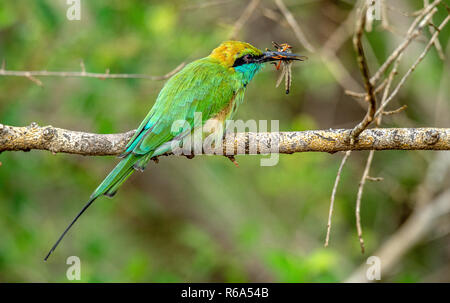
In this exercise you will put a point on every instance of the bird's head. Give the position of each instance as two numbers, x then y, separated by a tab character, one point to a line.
245	58
236	53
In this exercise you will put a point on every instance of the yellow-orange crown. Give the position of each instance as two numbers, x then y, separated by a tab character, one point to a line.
227	52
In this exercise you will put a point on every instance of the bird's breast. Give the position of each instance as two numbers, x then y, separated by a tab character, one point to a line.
217	122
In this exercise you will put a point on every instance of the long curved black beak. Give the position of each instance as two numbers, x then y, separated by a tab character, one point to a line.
269	56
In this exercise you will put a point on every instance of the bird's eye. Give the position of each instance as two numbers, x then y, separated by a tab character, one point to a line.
242	60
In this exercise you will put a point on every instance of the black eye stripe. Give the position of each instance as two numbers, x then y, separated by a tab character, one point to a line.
245	59
240	61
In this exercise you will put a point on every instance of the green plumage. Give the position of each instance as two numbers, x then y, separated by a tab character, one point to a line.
204	86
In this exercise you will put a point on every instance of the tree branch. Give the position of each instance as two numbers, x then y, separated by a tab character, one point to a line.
362	63
83	74
58	140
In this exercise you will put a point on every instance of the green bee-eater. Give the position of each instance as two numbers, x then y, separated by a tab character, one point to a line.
213	86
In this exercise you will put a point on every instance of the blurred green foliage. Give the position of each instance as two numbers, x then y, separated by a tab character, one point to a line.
202	219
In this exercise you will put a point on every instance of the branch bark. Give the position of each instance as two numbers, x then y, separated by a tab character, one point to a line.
58	140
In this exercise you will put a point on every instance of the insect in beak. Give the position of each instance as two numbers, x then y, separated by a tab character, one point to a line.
283	57
270	56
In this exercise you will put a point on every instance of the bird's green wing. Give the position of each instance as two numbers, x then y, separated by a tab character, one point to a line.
202	86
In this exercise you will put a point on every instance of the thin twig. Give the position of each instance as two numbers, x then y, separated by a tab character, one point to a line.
358	199
33	79
414	66
246	14
413	32
396	111
333	195
431	28
362	63
31	74
364	95
274	16
294	25
442	107
403	13
387	89
374	179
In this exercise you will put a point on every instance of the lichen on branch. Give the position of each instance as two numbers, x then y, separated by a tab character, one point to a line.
58	140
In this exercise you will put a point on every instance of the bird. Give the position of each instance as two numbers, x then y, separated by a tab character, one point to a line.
213	86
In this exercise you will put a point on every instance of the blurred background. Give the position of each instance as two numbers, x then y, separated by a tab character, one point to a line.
204	220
